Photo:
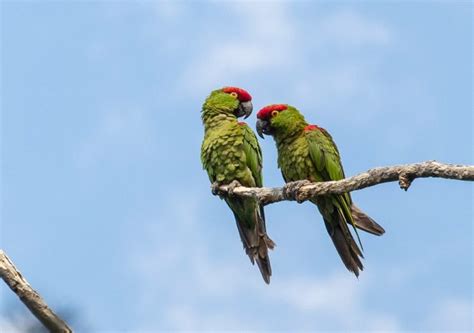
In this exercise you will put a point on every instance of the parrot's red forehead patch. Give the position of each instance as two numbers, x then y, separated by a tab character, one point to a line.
243	95
266	112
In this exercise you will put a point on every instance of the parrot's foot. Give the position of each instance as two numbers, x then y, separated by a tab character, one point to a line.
215	189
291	190
232	186
404	180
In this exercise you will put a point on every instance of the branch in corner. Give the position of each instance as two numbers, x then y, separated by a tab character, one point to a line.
404	174
33	301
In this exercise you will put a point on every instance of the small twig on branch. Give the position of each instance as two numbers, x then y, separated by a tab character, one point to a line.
404	174
29	296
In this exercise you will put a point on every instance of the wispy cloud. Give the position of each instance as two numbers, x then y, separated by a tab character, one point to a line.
192	276
452	314
273	45
118	132
334	75
180	268
258	48
17	324
334	299
348	29
167	9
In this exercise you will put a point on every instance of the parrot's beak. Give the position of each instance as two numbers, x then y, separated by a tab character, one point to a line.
245	109
248	108
263	127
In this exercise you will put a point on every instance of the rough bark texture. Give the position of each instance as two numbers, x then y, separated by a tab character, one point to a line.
404	174
29	296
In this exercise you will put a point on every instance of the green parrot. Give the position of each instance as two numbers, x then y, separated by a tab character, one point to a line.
308	152
231	155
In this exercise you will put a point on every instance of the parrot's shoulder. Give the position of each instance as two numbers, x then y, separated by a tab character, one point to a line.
316	134
324	153
314	131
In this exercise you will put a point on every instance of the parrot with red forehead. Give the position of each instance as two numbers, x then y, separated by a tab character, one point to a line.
231	155
308	152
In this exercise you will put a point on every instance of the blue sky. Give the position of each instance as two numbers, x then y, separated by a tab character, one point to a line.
105	207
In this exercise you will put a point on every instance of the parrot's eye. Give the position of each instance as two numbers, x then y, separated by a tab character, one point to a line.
274	113
234	94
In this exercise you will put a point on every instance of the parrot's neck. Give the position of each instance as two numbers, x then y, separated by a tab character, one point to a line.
213	120
293	131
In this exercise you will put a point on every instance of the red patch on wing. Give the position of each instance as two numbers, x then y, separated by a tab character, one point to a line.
266	112
243	95
312	128
242	123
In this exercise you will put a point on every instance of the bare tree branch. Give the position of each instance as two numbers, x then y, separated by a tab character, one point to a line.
304	190
29	296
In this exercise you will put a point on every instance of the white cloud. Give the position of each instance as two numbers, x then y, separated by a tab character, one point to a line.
273	44
310	295
7	326
17	324
346	28
452	314
167	9
118	132
333	74
188	318
182	262
182	275
259	48
336	299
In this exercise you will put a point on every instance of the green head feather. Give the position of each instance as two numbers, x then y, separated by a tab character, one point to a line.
219	103
286	121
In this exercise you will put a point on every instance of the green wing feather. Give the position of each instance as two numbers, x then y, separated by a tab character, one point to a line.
326	159
253	154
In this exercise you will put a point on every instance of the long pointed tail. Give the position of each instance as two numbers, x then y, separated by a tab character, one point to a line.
336	225
253	233
365	222
262	259
257	249
264	243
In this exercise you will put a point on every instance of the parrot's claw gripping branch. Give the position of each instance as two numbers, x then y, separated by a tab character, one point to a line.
216	190
404	180
292	190
232	186
304	190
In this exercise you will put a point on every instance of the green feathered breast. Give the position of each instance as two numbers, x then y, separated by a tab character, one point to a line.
231	152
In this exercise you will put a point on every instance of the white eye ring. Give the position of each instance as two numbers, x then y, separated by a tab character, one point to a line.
274	113
234	94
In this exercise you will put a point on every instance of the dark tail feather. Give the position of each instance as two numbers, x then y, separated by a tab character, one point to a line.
365	222
345	245
255	240
265	243
259	254
265	268
263	261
